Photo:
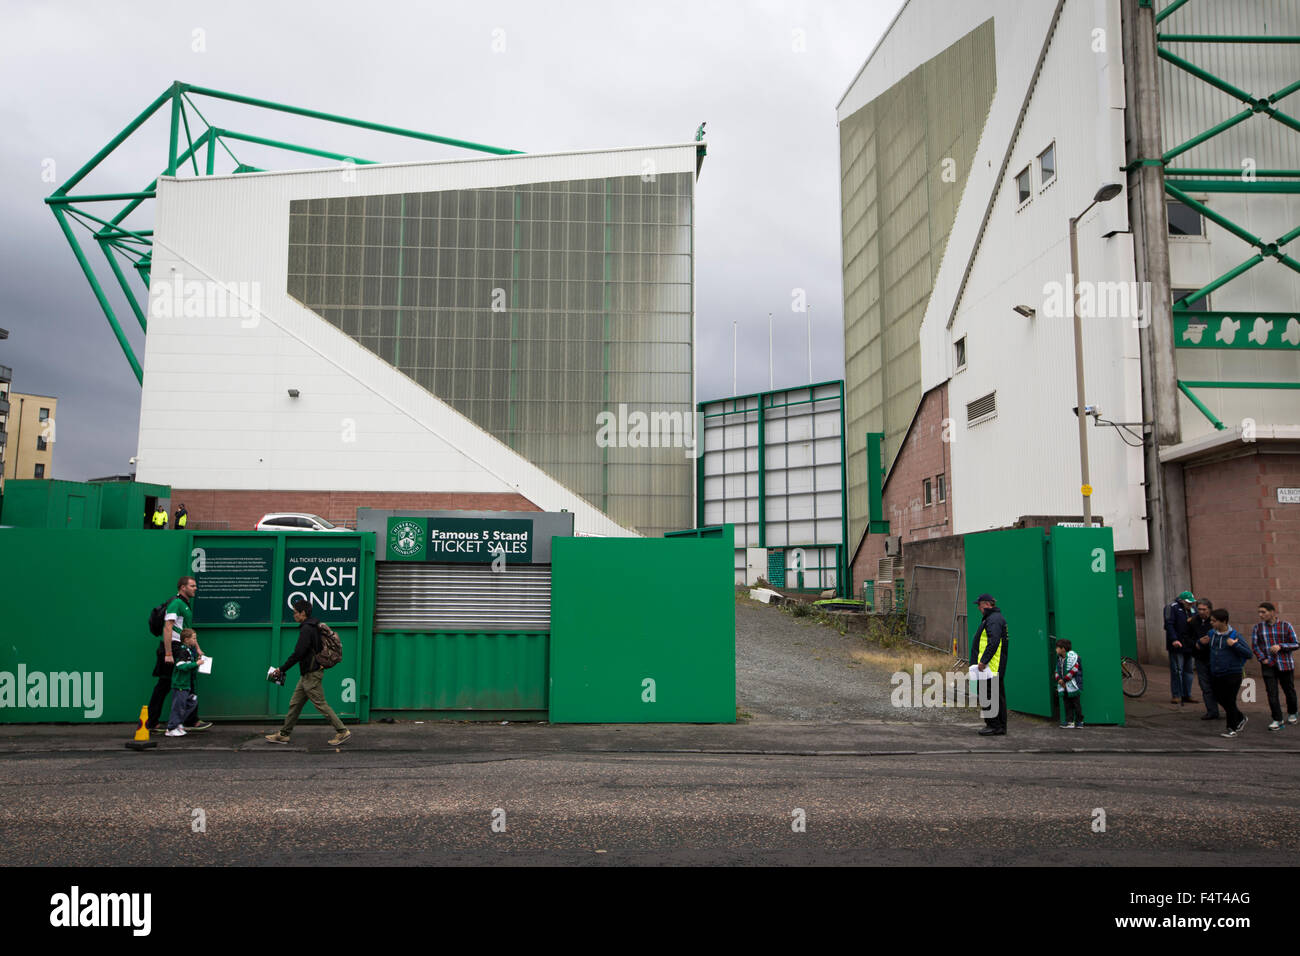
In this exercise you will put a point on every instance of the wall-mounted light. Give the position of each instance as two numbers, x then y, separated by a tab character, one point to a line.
293	393
1026	310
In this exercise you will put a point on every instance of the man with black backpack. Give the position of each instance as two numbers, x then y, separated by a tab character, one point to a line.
167	621
311	647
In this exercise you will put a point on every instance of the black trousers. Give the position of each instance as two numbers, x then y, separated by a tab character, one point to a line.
1071	708
1225	692
1273	677
996	692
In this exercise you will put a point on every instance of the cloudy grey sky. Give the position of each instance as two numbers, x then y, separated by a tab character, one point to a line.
765	76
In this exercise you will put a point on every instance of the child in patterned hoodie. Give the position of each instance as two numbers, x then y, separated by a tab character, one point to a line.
1069	680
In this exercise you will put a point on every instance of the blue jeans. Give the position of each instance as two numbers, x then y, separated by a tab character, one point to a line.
184	704
1181	673
1207	688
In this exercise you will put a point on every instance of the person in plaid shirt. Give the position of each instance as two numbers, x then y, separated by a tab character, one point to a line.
1273	640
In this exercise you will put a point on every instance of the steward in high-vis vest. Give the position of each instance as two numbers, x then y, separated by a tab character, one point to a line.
159	520
182	516
989	652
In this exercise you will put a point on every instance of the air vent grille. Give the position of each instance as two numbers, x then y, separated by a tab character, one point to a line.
982	408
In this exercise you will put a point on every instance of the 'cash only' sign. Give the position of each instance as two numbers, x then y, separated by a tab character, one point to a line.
465	540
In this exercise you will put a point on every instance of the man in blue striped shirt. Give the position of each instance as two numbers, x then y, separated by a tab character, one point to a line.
1273	641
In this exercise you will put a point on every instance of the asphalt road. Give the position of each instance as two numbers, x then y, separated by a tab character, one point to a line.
370	808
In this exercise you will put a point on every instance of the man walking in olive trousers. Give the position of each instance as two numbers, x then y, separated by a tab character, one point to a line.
309	680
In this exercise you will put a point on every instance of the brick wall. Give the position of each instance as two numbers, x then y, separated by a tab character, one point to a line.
1243	546
924	455
243	509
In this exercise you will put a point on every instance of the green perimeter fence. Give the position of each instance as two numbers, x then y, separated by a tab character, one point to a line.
74	608
642	630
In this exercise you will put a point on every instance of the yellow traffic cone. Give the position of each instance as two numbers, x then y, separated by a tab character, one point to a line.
141	739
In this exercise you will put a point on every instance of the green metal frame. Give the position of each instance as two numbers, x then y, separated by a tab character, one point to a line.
764	401
135	246
1179	181
1186	389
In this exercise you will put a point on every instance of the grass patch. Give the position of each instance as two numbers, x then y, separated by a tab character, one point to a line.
902	658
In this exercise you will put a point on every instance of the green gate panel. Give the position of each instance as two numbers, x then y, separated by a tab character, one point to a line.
1087	614
77	602
1128	633
247	581
460	671
1011	566
643	630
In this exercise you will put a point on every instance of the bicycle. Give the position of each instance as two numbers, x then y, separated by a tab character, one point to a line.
1134	677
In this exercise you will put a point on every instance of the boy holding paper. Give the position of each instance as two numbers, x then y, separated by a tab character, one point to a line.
184	700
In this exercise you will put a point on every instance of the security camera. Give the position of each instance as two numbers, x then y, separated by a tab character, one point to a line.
1093	410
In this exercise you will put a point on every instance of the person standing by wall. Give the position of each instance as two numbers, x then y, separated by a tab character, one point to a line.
1178	642
990	654
159	520
1273	640
1201	628
182	517
1069	682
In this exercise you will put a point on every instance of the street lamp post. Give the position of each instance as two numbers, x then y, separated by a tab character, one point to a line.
1106	193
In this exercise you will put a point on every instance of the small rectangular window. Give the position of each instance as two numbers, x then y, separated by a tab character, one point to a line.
1184	220
1047	165
41	443
1024	186
40	471
941	489
44	415
929	500
959	347
1200	305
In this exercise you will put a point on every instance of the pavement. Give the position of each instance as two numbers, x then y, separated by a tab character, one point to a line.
802	689
1153	727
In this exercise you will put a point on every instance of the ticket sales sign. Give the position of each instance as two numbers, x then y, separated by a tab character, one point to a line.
463	540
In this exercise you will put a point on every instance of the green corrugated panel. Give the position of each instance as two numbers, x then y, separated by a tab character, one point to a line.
43	503
628	648
123	502
1012	566
460	671
119	575
1087	614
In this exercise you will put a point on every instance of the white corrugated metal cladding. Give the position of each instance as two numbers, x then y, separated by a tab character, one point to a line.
216	411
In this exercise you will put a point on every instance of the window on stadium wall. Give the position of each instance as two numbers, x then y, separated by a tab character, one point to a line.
529	309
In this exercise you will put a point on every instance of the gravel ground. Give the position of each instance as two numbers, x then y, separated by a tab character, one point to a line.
790	668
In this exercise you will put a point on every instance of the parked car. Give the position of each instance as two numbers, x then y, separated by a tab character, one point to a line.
295	521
